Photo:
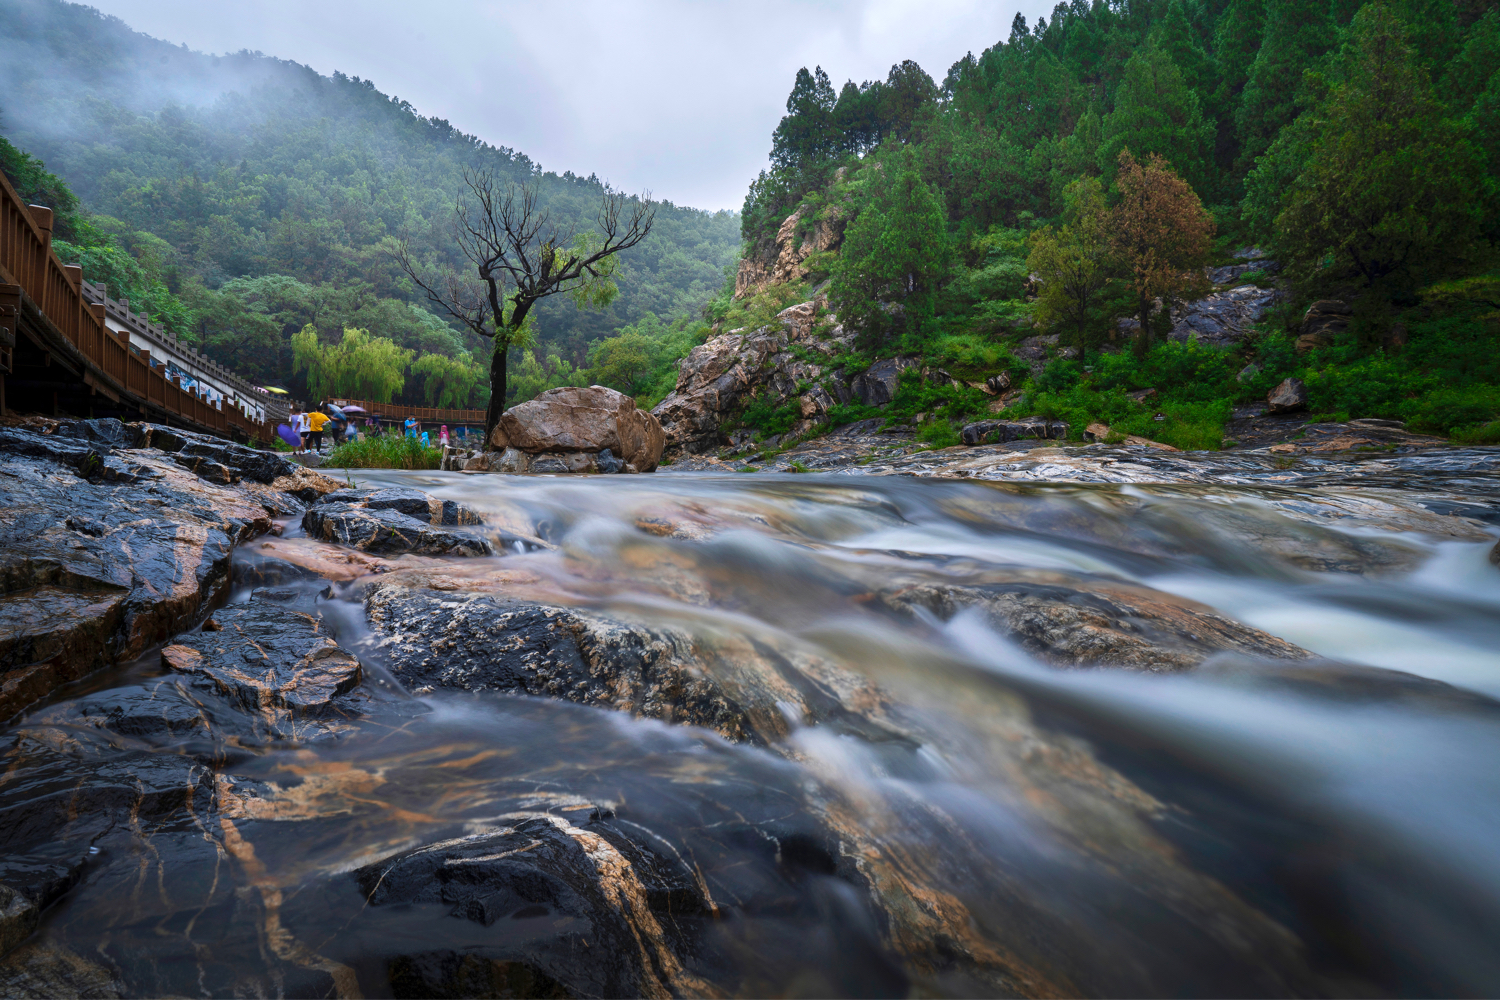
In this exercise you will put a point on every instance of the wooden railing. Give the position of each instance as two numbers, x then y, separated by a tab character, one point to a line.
398	412
110	366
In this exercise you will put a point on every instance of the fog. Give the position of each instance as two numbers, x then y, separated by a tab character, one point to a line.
676	97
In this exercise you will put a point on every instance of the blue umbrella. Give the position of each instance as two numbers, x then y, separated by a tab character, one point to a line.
288	435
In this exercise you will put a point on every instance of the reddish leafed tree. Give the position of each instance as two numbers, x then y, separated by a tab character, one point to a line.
1162	235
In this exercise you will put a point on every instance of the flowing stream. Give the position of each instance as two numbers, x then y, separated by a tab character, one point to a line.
1245	827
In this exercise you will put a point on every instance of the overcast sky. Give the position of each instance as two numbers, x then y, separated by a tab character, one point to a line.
673	96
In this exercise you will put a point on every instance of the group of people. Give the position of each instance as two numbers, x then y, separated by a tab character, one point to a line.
413	428
311	425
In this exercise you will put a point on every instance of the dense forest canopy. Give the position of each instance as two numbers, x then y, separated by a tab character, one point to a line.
240	198
1076	177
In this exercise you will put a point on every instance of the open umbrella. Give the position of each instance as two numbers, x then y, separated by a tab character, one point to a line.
351	408
288	435
275	391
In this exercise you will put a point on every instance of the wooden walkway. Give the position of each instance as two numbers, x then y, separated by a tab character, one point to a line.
57	355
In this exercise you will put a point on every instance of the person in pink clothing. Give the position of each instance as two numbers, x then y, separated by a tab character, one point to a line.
443	436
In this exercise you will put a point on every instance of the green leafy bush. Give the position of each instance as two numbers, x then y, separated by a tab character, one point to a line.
939	434
383	451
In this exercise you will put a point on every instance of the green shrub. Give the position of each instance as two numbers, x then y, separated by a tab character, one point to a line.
939	434
385	451
1378	386
1484	434
1445	411
766	417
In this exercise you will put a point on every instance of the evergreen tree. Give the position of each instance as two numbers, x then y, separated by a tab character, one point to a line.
806	135
1157	113
1392	189
1298	34
1174	36
895	253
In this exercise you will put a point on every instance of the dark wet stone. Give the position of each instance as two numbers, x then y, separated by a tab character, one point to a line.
393	521
387	532
1000	431
485	643
105	550
263	656
541	906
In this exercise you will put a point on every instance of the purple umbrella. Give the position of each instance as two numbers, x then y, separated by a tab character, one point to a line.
353	409
288	435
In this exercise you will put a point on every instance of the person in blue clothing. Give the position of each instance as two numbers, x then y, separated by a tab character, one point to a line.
411	427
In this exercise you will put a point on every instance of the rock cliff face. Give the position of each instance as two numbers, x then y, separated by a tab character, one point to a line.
782	261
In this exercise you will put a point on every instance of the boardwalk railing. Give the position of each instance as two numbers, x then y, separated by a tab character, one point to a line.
29	269
398	412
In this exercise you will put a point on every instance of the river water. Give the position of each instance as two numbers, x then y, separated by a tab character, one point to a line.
1249	827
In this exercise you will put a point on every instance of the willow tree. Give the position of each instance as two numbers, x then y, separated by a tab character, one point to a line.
360	365
520	256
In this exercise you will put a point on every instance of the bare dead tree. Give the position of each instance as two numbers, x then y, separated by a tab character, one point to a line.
520	257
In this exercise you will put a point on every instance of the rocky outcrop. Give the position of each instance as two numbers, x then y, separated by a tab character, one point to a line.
1071	622
1223	318
1000	431
717	379
571	429
267	659
558	890
782	260
114	536
1323	321
1289	396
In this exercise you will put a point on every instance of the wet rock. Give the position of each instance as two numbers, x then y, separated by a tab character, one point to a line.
1000	431
1323	321
998	384
877	385
1288	397
717	379
1222	319
575	421
482	642
105	550
1099	624
263	657
541	907
45	971
390	522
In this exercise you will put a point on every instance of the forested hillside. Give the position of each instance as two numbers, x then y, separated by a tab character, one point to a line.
241	198
1059	197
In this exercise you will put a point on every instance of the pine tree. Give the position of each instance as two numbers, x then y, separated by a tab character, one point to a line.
1157	113
806	135
1175	37
1298	34
895	253
1392	188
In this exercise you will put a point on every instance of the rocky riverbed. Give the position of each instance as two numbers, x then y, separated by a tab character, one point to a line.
1014	719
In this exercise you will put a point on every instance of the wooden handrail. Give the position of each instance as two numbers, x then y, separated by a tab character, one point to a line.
27	260
398	412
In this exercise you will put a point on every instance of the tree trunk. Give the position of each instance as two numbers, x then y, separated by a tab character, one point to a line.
1143	336
498	361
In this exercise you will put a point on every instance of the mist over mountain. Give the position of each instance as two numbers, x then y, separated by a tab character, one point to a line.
215	172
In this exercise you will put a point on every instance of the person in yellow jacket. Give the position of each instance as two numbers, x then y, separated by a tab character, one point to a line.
315	421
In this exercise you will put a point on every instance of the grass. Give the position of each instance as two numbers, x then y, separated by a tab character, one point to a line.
387	451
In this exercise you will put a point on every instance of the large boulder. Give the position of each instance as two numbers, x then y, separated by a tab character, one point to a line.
718	378
781	260
570	429
1288	397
